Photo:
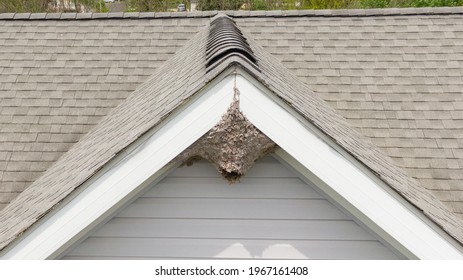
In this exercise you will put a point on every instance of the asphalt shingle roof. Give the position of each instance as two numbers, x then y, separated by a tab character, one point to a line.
399	80
396	75
59	78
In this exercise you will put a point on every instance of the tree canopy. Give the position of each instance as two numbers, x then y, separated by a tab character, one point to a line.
20	6
320	4
40	6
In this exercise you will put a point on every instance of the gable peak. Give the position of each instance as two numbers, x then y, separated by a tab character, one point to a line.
225	40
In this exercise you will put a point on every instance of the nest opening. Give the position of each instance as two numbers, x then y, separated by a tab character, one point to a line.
231	177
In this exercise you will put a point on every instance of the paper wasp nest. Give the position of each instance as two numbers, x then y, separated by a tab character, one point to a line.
232	145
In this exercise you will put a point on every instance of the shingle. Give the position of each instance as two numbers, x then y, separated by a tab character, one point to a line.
242	13
357	12
177	14
38	15
68	16
84	15
273	13
194	14
451	10
116	15
339	12
373	12
7	15
209	13
258	13
22	15
132	15
99	15
146	15
53	16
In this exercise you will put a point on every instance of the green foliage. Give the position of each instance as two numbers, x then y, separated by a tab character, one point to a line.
100	7
409	3
329	4
146	5
258	5
22	6
40	6
374	3
319	4
437	3
154	5
209	5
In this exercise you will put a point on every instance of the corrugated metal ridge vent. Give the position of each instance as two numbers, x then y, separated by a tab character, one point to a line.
226	40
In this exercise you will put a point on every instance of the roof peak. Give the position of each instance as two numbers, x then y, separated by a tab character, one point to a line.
225	40
207	14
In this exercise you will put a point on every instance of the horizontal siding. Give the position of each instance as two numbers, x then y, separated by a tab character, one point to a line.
240	229
247	188
225	208
194	213
232	248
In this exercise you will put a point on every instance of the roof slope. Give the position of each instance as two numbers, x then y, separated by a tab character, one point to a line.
398	79
305	57
145	107
317	111
59	78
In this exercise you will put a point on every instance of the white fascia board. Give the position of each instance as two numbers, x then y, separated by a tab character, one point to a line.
305	150
100	198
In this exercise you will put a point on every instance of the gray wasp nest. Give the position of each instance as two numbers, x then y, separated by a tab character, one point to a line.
232	145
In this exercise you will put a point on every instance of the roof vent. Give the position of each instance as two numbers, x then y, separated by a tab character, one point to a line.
226	40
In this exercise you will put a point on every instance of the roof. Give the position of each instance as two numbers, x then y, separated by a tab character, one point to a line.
384	86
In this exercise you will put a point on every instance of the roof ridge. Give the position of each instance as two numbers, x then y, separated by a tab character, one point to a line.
226	39
202	14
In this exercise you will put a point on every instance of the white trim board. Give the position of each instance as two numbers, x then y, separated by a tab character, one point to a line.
302	148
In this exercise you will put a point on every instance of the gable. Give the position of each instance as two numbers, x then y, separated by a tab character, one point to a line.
163	97
312	158
194	213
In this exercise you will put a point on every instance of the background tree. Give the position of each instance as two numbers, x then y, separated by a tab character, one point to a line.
34	6
154	5
209	5
320	4
21	6
40	6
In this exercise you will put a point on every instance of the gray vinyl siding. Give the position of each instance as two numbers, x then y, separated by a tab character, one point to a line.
194	213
